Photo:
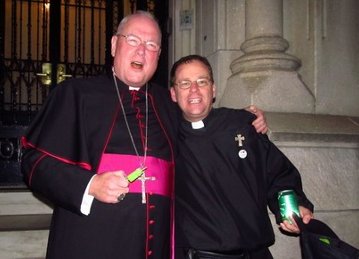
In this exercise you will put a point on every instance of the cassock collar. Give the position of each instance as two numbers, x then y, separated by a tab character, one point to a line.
124	89
134	88
199	126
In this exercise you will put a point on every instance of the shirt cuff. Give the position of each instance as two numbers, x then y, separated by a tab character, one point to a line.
87	200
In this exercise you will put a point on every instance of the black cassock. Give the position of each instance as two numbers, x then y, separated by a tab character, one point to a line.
226	176
79	132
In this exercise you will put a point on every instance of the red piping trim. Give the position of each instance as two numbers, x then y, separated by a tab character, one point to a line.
27	144
172	238
163	129
35	165
110	132
147	224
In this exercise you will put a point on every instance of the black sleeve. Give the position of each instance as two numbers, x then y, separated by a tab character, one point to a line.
282	175
57	182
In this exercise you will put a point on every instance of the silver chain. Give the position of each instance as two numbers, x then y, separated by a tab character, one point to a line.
142	163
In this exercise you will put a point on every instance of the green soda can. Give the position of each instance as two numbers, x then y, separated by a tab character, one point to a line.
288	204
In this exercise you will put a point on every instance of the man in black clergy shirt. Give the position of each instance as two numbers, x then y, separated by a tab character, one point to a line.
89	135
226	174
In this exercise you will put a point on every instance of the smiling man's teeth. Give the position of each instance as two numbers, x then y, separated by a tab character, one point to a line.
194	100
136	64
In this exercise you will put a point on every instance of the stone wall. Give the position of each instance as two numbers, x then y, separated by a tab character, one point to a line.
325	149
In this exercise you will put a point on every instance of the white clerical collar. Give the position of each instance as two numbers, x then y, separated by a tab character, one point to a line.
197	124
134	88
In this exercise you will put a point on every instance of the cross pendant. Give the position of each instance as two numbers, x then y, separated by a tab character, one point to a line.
240	139
143	180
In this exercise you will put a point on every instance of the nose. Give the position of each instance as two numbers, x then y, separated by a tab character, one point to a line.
194	86
141	49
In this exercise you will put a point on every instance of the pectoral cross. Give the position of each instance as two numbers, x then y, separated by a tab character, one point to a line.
240	139
143	180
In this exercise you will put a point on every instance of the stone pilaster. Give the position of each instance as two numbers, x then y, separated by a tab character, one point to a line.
324	148
265	71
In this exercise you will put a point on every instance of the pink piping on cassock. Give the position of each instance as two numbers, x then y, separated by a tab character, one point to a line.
172	196
26	144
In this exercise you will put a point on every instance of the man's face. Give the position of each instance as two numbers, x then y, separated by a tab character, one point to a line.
195	101
135	65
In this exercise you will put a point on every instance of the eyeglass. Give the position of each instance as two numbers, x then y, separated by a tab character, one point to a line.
201	82
135	41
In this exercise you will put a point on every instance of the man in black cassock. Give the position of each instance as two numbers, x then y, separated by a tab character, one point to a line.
226	174
88	136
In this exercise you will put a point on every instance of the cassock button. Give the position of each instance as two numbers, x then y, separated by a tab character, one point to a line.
150	237
149	252
151	222
152	207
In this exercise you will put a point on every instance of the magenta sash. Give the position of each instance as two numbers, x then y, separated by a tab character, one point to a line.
160	169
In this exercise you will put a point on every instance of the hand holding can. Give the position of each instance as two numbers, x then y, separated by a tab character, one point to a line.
288	204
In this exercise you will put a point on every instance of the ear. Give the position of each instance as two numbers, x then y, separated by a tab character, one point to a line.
159	54
173	94
214	90
113	45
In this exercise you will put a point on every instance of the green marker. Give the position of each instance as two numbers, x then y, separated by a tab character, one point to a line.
135	174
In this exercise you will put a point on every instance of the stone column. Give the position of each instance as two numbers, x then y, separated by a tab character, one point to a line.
324	148
265	75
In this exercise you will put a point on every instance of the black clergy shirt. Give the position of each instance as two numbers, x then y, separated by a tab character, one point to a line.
221	194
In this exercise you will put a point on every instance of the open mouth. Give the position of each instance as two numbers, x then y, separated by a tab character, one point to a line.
194	100
136	64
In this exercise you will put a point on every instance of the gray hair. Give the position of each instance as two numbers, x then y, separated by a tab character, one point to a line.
137	13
